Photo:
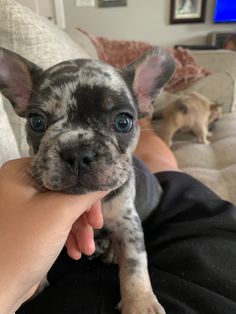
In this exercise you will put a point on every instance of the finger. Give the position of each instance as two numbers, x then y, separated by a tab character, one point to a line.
72	247
94	215
84	235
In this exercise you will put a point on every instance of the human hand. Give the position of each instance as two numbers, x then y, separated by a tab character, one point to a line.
81	237
34	228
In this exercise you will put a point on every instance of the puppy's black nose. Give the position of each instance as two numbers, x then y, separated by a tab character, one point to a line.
85	157
81	158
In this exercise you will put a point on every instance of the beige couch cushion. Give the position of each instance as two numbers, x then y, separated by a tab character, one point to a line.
8	145
218	87
35	37
213	164
218	61
38	40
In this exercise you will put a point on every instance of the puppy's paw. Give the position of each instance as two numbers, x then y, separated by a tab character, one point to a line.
102	246
110	257
105	249
203	141
145	304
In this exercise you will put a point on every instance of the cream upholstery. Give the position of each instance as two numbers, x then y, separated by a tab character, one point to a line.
213	164
219	61
8	144
219	87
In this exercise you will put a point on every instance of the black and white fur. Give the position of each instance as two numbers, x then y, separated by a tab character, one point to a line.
81	150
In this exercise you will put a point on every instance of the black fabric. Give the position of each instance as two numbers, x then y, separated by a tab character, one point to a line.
191	244
148	189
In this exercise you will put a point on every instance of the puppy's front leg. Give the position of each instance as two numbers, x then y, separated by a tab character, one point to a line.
137	296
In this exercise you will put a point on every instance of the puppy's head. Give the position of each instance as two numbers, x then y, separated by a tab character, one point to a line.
82	116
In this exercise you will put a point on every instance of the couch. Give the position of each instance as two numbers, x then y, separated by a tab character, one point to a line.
40	41
213	164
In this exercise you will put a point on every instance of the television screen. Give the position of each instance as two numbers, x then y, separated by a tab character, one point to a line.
225	11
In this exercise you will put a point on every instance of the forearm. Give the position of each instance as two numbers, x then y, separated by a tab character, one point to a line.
13	293
153	151
9	303
34	228
9	283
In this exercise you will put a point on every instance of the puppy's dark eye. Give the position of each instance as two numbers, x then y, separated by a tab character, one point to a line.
123	123
37	122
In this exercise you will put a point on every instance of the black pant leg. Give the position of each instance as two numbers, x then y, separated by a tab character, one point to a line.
191	244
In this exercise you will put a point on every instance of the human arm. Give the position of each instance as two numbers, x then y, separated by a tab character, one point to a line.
34	228
153	151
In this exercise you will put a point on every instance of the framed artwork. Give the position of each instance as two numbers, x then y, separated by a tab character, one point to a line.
187	11
111	3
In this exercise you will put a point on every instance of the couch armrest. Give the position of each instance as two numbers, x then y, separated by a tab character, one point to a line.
216	60
219	87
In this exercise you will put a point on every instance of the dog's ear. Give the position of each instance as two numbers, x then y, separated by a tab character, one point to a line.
17	78
147	75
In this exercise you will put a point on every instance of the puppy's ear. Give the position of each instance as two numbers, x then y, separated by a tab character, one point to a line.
147	75
17	79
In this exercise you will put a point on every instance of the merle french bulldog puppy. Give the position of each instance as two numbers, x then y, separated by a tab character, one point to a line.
82	129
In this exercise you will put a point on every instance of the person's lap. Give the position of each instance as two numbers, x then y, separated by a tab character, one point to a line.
191	244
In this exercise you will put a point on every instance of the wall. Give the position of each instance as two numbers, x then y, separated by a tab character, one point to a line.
42	7
141	20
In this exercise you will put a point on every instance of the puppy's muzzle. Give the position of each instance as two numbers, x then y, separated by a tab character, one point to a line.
79	159
78	168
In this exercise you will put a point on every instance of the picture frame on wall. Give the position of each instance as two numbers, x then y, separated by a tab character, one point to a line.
111	3
187	11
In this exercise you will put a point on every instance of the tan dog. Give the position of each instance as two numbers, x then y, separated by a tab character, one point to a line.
192	112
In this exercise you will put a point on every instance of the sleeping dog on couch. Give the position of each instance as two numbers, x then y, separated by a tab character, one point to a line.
82	129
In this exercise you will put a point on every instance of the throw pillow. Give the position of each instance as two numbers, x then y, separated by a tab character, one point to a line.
119	53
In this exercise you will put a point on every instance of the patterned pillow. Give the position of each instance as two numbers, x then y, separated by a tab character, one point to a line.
187	71
119	53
